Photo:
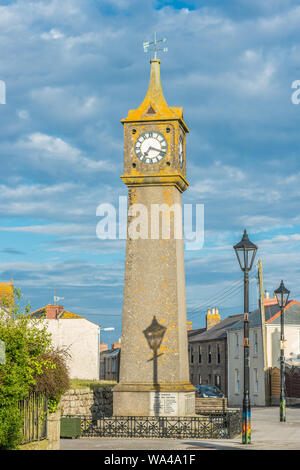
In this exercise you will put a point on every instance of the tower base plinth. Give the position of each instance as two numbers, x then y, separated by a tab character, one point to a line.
149	400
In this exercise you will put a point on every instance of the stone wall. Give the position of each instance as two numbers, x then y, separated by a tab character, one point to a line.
87	402
210	404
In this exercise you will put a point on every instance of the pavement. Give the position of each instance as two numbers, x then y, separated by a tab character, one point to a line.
268	433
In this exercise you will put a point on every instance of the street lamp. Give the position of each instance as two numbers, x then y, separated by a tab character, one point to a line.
245	251
282	295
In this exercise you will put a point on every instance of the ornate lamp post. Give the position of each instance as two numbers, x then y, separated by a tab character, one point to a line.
282	295
245	251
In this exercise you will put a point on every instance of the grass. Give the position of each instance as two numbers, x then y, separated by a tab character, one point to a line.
82	383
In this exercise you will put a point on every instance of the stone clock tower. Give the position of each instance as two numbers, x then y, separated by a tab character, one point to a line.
154	382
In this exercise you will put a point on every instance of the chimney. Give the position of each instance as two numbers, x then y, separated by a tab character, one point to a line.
212	318
116	345
103	346
189	325
54	312
267	294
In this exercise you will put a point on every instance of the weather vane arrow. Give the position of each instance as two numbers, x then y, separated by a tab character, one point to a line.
155	43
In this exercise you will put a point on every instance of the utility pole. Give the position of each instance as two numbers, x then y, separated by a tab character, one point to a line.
263	331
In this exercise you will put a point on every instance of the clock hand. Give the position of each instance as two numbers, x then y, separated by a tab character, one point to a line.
153	148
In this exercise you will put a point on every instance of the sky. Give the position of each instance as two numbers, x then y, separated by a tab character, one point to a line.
72	70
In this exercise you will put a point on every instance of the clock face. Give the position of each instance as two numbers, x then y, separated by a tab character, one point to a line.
151	147
181	154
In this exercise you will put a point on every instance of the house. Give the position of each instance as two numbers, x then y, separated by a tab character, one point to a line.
110	362
79	336
259	372
208	351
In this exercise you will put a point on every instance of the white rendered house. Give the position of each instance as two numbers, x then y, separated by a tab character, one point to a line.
235	336
79	336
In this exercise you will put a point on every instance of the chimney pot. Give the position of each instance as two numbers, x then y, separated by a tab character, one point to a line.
267	294
213	318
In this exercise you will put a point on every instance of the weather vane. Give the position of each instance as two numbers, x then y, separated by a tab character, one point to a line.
154	43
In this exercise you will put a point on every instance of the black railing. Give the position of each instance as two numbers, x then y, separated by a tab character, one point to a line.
204	426
34	413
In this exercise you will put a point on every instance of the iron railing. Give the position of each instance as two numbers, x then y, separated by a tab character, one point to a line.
205	426
33	410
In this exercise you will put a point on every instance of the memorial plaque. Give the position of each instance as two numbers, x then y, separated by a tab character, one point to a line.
2	352
163	404
189	403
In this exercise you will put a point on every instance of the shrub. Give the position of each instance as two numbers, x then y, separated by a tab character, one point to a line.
31	364
55	380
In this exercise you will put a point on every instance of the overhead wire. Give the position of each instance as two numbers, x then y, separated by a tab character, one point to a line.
224	295
219	298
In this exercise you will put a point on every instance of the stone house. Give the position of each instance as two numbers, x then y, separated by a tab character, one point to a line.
208	351
79	336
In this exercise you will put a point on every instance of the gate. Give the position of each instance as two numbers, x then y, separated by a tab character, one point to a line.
33	410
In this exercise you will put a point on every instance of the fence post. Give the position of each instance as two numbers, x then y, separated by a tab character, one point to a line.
53	430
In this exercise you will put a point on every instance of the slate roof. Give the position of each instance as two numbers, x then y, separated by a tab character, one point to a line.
112	352
272	315
218	331
195	332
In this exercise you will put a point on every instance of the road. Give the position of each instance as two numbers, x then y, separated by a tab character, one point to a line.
267	434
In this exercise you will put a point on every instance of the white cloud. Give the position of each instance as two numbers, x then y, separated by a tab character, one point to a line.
52	34
23	114
52	229
54	151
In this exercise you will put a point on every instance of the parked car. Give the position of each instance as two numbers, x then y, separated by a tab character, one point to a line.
208	391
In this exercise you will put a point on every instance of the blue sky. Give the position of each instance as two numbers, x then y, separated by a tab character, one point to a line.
73	69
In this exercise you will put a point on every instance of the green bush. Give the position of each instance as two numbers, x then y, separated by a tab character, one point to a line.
30	364
55	380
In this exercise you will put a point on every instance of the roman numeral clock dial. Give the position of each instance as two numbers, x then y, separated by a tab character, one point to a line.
151	147
181	152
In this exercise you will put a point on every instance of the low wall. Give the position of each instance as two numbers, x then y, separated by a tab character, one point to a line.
210	404
98	403
86	402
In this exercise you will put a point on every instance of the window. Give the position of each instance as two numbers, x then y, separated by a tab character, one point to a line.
209	353
113	365
218	354
199	354
192	378
237	381
209	379
218	381
236	344
255	343
255	381
192	355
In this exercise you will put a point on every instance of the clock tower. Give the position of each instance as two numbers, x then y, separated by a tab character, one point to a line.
154	371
